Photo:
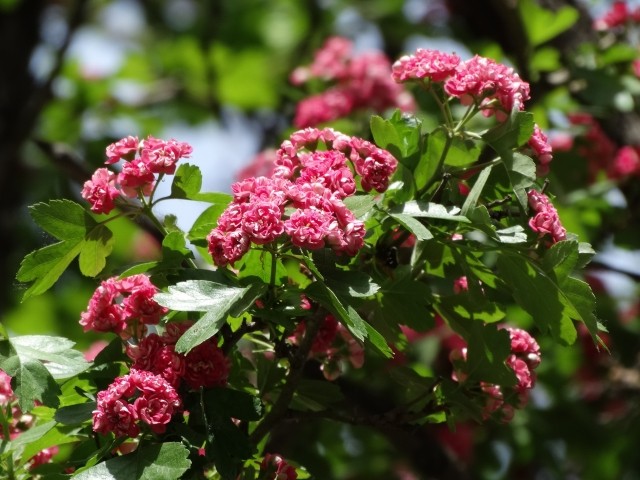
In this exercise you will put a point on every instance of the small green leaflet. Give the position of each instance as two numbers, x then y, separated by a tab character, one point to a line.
80	235
474	194
187	183
420	209
215	299
167	461
542	24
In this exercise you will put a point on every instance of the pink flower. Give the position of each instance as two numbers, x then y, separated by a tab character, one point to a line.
226	248
425	64
546	220
625	163
136	177
6	392
262	164
460	285
493	86
100	191
161	156
153	354
42	457
117	303
121	149
308	227
206	366
274	467
616	16
262	222
541	149
324	107
154	402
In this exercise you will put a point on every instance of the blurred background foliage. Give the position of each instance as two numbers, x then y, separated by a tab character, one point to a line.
78	75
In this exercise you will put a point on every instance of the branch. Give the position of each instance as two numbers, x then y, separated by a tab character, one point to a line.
279	409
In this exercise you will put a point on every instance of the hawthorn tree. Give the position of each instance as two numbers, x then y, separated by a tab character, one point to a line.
403	276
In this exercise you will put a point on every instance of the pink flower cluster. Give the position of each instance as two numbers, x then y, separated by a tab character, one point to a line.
618	15
360	82
523	360
19	422
546	220
274	467
143	160
139	397
123	306
204	366
539	144
494	87
309	185
333	346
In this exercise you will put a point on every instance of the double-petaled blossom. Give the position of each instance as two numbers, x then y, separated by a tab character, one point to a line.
523	359
302	202
117	304
425	64
139	397
539	144
101	191
142	162
358	82
494	87
545	220
274	467
203	366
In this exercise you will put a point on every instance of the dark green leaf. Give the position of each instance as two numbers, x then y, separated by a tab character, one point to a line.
233	403
561	259
430	158
413	225
513	133
405	301
488	348
75	414
476	190
361	205
166	461
522	174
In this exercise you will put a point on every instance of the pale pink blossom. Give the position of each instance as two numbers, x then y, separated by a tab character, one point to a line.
425	64
101	191
122	149
494	87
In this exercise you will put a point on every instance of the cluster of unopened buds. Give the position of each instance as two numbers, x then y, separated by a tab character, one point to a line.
18	422
523	360
302	201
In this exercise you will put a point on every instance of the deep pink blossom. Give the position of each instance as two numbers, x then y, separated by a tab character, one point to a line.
136	177
153	354
425	64
617	15
161	156
226	248
101	191
625	163
206	366
6	392
546	220
274	467
539	143
324	107
494	87
117	303
134	398
262	222
460	284
308	227
122	149
42	457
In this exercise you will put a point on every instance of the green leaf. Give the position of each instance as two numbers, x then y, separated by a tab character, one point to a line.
187	182
521	171
174	249
512	235
322	294
540	296
206	221
413	225
350	283
33	382
583	299
215	299
404	301
167	461
55	353
561	259
430	158
541	24
80	235
513	133
488	348
400	135
361	205
233	403
421	209
385	134
476	190
75	414
316	395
